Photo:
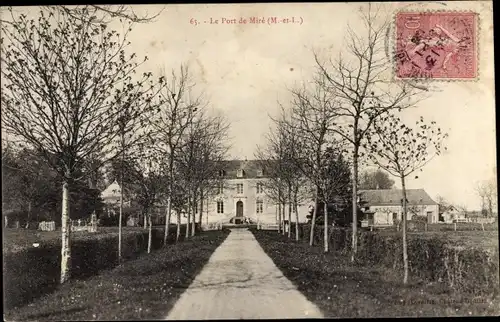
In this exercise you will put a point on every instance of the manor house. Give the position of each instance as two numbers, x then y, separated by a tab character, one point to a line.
242	194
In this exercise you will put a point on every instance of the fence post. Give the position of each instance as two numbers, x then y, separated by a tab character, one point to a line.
482	225
425	226
455	226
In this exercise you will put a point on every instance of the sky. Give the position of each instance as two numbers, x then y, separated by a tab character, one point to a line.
245	69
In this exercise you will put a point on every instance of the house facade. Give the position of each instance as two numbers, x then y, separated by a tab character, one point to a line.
111	199
384	207
242	194
451	215
111	195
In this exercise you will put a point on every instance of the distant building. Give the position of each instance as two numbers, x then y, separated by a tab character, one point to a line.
452	214
111	196
385	208
241	195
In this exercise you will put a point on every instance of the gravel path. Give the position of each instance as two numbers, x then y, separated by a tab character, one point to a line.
241	282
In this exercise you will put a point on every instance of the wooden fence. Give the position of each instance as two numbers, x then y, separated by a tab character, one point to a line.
211	226
47	226
81	225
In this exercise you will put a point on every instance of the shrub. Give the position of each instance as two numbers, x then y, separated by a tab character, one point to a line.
471	270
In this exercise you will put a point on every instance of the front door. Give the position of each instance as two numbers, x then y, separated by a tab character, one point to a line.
239	209
429	217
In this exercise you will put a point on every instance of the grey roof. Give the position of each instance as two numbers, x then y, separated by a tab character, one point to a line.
250	168
392	197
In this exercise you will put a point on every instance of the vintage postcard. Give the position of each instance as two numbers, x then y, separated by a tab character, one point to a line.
249	161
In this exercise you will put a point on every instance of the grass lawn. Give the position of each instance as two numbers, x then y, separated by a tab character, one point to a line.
144	288
480	239
17	239
342	289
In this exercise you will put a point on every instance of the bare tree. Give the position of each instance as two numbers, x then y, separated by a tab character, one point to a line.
148	173
63	83
213	149
284	184
201	151
313	117
133	130
401	150
360	78
487	191
173	118
100	14
271	158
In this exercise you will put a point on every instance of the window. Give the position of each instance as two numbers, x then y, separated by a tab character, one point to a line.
260	206
239	174
239	188
260	172
221	173
220	188
220	207
260	187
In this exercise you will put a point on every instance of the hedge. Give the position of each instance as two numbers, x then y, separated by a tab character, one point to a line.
32	272
471	270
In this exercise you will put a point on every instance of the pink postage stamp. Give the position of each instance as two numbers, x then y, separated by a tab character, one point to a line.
436	45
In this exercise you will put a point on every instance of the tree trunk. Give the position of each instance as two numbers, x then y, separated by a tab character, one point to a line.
120	222
150	231
207	211
296	218
169	199
283	218
279	216
405	245
289	212
355	202
313	220
29	215
193	227
66	235
121	200
325	216
167	219
200	216
188	217
178	227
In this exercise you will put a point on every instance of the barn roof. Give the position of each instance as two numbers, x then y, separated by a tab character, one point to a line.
392	197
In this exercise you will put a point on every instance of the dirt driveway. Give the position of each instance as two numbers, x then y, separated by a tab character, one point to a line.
241	282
